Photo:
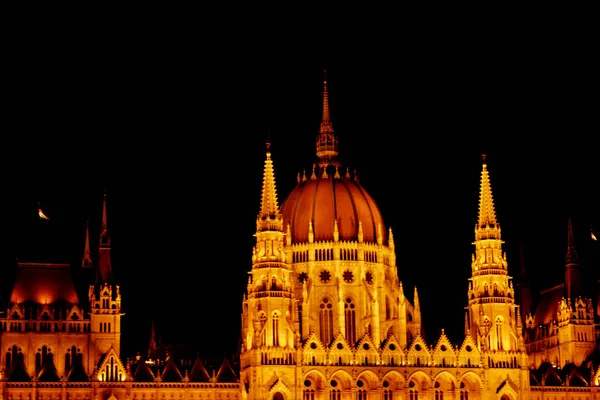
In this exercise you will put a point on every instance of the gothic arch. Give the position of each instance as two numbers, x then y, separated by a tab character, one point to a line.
471	383
314	383
444	383
340	379
369	379
420	381
395	381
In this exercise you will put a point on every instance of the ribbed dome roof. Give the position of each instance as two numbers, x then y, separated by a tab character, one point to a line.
325	200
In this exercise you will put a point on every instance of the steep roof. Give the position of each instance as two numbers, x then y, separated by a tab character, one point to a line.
48	373
171	372
199	372
143	373
77	372
43	283
226	372
548	305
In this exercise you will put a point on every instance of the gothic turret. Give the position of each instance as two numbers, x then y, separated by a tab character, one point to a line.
493	315
491	293
269	311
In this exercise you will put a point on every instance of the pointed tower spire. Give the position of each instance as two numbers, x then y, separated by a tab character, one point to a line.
269	217
86	262
417	304
152	345
524	289
327	143
572	275
487	213
104	262
491	290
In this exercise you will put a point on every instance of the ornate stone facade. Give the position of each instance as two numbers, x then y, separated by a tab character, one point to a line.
325	316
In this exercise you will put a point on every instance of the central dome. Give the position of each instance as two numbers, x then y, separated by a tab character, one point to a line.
326	200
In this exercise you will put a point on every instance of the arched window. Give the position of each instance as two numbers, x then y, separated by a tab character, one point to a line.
335	394
499	324
388	309
350	318
12	355
413	392
275	329
326	321
40	357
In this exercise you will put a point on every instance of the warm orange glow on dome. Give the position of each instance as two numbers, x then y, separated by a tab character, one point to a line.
324	200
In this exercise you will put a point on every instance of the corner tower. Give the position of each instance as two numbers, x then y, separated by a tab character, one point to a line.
105	303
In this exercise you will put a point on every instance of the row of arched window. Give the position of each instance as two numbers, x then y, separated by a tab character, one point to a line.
42	355
32	326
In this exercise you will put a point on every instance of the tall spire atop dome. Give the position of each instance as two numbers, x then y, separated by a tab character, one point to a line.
327	143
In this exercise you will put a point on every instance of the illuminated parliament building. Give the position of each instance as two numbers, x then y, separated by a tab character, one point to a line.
324	316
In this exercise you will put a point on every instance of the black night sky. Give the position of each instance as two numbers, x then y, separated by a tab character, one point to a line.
176	136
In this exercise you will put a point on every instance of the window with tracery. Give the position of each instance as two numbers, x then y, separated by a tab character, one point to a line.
335	394
499	333
348	276
350	320
413	393
12	355
72	355
308	393
326	321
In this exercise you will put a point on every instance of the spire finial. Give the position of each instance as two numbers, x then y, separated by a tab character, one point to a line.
269	217
483	158
268	141
487	212
327	144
